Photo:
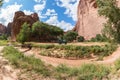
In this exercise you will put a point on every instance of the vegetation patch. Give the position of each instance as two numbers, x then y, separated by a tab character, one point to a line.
117	64
61	72
3	42
75	51
24	62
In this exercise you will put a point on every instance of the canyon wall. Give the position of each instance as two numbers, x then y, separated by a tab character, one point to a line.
89	22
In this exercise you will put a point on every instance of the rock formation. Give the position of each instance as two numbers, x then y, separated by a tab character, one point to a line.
19	19
2	29
9	29
89	22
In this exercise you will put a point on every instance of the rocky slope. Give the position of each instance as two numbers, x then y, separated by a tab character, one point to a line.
89	22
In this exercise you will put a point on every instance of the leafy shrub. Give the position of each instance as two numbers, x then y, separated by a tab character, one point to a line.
70	36
100	38
80	39
3	37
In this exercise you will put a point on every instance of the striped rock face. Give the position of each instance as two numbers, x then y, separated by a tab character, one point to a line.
89	22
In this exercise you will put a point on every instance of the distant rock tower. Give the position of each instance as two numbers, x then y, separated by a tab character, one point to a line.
19	19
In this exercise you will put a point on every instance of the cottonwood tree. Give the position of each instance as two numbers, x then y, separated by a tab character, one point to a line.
45	32
24	34
110	10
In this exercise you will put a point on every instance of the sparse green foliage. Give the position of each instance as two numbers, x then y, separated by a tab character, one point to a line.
24	34
100	38
80	39
70	36
3	37
110	10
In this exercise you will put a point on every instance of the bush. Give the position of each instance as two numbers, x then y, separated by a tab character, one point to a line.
3	37
70	36
80	39
93	72
100	38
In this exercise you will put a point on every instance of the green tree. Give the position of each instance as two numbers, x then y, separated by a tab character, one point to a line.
24	34
110	10
40	29
70	36
1	2
45	31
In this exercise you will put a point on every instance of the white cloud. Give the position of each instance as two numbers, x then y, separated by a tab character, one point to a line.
37	1
39	7
53	20
65	26
6	1
48	13
27	12
51	12
70	6
62	24
7	14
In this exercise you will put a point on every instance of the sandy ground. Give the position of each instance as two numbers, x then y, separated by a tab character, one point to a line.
73	63
6	71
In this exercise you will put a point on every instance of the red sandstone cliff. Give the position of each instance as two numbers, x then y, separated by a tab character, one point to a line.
89	22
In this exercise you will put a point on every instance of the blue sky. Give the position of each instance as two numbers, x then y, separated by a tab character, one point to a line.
62	13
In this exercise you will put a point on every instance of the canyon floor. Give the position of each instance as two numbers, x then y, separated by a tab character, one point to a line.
8	73
109	60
